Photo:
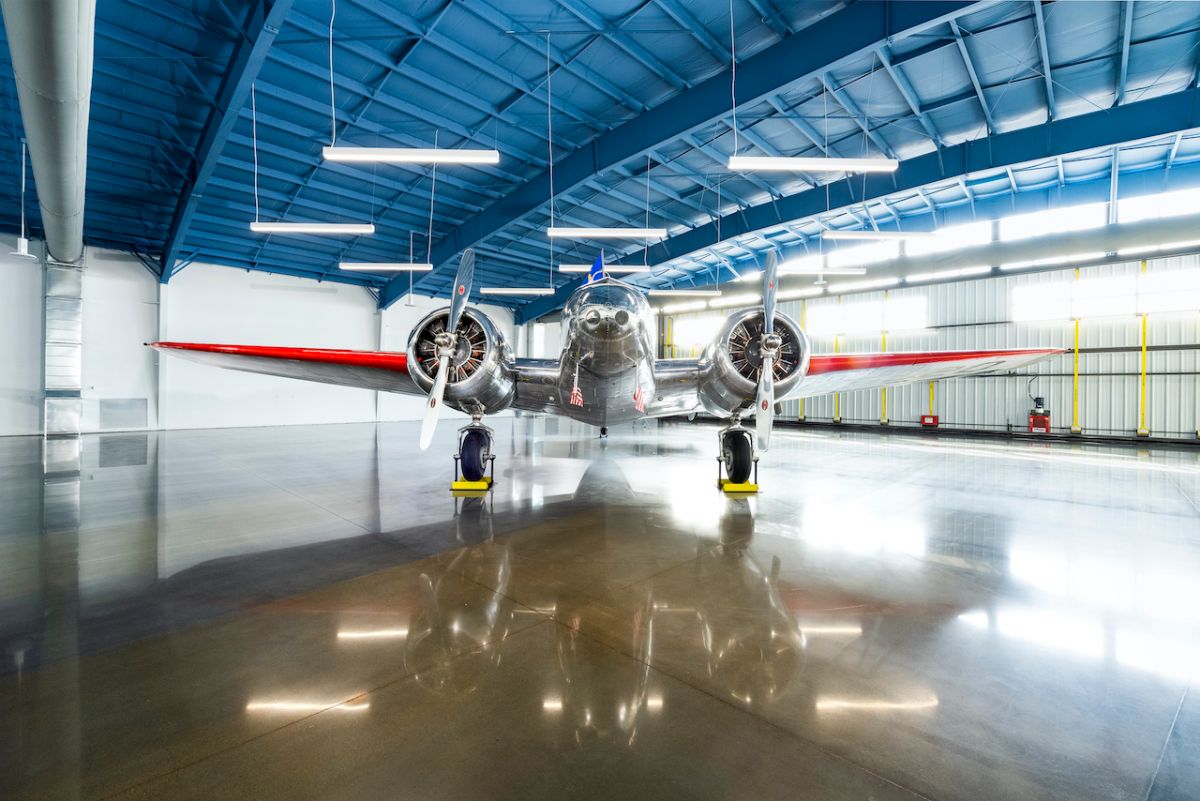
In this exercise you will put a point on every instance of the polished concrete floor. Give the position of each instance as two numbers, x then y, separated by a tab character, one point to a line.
308	613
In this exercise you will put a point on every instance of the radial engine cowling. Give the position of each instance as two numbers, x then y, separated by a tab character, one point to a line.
730	367
481	371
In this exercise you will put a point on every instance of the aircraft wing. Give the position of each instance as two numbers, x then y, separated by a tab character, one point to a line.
366	369
380	370
840	372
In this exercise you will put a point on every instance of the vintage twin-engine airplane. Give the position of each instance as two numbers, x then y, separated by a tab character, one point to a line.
607	372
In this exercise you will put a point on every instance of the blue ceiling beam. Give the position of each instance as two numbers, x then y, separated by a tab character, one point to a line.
850	32
909	94
1126	36
628	46
974	76
501	21
1160	116
1039	21
862	120
771	16
437	39
262	25
698	32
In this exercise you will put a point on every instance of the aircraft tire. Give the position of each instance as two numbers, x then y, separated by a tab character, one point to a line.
476	447
739	456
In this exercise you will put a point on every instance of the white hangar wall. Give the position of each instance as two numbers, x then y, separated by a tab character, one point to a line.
978	314
127	386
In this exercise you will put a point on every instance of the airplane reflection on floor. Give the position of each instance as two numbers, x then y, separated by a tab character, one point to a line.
629	608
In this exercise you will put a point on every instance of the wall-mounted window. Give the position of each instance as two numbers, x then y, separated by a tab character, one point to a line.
1053	221
1164	204
1115	296
952	237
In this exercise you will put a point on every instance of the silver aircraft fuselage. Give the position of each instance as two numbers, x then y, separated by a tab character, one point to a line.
606	371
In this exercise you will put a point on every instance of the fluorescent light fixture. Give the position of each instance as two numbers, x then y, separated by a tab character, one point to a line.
1049	262
901	235
802	164
552	704
384	267
607	233
694	305
516	290
684	293
311	228
796	294
372	634
612	269
743	299
859	286
410	155
941	275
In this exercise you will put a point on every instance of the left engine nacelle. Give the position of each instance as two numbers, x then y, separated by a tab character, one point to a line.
730	367
481	377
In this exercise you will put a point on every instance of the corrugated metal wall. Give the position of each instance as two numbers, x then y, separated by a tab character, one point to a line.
976	314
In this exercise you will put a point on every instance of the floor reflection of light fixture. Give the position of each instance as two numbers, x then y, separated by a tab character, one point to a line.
844	704
371	634
306	706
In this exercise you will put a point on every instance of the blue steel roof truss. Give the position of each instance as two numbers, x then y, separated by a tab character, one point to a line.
934	84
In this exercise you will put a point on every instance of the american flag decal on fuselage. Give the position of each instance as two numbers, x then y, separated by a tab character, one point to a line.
639	401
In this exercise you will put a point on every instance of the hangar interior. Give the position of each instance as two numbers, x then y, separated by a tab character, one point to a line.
967	583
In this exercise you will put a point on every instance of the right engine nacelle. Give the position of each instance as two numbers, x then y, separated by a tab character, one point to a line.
730	367
481	378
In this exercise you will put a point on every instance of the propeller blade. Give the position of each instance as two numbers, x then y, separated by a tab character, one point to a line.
462	288
764	413
770	284
434	404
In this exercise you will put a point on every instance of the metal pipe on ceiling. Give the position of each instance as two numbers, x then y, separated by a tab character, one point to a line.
51	45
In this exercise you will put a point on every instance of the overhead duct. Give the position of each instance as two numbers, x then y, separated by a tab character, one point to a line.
51	44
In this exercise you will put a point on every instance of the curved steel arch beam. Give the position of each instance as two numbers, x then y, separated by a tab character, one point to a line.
1146	119
856	30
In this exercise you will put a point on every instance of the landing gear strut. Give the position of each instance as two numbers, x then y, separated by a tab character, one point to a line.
737	460
603	432
474	457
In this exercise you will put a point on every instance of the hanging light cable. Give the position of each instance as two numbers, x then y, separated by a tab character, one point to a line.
332	106
22	250
550	146
260	227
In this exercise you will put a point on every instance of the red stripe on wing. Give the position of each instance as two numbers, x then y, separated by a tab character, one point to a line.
837	362
397	362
